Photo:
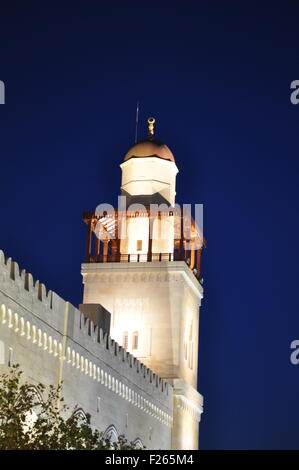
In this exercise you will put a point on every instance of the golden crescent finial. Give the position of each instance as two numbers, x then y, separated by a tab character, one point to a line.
151	121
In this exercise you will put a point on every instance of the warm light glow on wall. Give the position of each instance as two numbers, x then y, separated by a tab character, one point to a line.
148	176
137	231
163	235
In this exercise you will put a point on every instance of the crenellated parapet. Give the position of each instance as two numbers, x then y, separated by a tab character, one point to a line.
86	333
31	294
56	327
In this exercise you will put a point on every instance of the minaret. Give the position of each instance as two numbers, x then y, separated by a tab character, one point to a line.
143	266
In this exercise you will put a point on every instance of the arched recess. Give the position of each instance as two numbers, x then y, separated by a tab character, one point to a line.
138	443
32	415
111	433
81	416
35	392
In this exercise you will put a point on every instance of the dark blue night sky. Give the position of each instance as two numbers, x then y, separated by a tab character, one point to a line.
217	79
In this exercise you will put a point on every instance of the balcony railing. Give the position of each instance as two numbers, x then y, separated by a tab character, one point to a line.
106	248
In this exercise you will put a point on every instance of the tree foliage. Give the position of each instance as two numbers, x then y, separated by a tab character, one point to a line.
29	420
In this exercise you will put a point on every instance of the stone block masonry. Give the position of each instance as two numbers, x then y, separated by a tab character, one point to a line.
53	341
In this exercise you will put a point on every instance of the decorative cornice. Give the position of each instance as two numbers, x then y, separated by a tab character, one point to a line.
183	403
161	271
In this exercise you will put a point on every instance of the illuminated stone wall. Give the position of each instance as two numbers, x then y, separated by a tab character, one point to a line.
159	303
52	341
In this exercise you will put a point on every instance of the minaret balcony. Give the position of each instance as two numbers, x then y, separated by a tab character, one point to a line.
143	237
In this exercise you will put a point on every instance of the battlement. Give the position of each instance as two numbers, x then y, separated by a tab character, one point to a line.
11	270
67	321
92	337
